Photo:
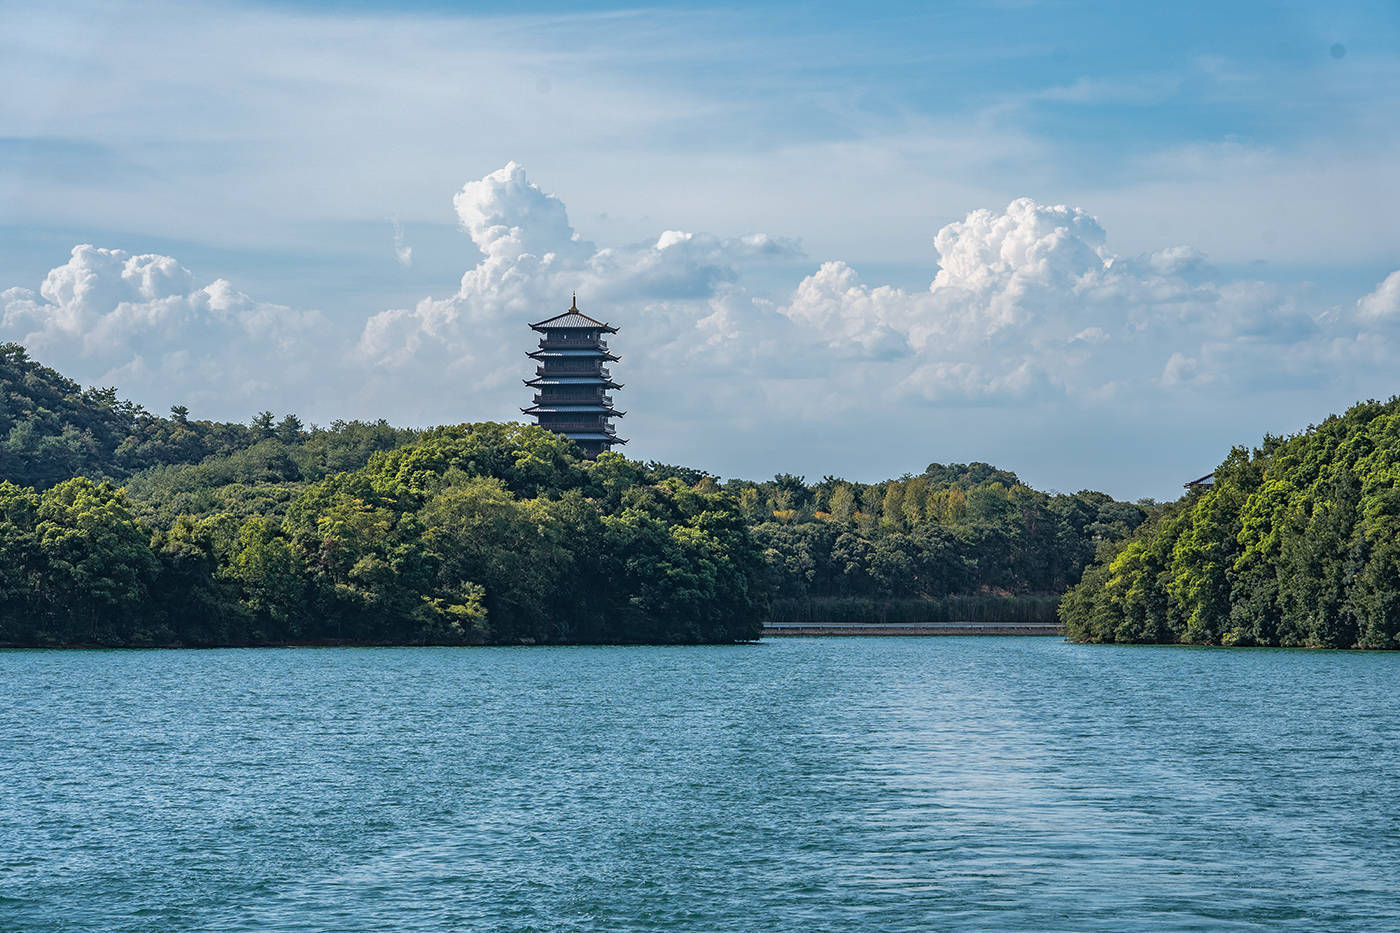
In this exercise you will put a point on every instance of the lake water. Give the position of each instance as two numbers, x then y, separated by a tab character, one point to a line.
877	784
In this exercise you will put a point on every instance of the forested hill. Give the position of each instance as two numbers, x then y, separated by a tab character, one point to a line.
118	527
842	551
475	534
52	429
1296	544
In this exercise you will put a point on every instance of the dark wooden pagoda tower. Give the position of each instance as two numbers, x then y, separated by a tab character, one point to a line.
572	383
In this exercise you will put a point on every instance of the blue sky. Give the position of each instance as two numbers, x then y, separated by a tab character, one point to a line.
1235	163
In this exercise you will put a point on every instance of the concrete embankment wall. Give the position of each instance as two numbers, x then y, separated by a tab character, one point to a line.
911	628
948	610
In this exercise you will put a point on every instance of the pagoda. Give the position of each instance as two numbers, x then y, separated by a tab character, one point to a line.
572	381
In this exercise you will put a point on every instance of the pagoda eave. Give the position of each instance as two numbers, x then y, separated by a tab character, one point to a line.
605	438
541	381
574	410
574	354
543	326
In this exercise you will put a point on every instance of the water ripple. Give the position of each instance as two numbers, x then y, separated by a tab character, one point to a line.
839	784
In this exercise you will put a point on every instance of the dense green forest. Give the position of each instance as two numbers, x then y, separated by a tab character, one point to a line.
119	527
1296	544
840	551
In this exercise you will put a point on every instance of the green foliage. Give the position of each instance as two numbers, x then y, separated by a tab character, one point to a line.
687	562
471	535
78	568
956	529
526	458
1294	545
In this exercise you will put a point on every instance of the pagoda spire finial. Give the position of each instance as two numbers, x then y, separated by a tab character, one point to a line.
574	306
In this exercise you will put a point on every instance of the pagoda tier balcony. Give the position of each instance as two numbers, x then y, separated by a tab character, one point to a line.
554	370
571	406
579	427
541	414
573	356
572	343
543	398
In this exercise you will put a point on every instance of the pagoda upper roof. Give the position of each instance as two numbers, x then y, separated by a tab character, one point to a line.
574	318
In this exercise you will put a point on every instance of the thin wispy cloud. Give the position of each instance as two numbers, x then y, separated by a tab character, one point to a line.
402	251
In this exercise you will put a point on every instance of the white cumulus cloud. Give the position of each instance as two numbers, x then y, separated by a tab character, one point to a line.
1031	301
142	320
1383	303
680	288
1028	307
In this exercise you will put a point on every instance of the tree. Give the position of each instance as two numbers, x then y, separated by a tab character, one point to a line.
892	507
186	604
262	425
480	534
912	505
289	430
271	581
20	567
842	505
97	565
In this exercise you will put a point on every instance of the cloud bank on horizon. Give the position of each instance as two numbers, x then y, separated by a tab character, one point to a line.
1029	309
927	312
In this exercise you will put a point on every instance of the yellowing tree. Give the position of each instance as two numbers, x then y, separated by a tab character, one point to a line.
843	504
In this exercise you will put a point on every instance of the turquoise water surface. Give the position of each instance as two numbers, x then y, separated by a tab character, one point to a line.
876	784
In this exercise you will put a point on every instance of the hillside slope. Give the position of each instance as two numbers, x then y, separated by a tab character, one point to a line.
1297	544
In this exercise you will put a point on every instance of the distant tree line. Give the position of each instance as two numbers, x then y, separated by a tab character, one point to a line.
119	527
52	429
954	529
